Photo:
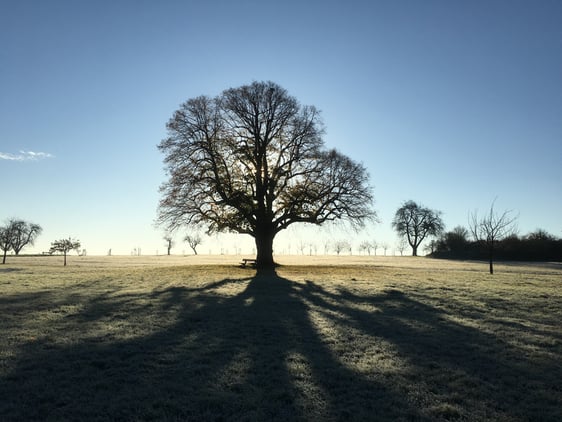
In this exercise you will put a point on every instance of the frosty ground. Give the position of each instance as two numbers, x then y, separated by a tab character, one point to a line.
321	338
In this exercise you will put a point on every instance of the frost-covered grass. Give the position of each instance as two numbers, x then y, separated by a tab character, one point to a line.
338	339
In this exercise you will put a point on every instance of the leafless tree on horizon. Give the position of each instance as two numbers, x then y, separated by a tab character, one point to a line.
492	228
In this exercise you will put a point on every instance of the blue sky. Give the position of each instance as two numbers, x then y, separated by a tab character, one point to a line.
448	103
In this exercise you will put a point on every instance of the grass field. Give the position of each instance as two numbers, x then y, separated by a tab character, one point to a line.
356	338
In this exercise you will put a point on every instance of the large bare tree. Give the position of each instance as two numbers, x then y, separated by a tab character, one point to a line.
24	234
252	161
17	234
416	223
492	228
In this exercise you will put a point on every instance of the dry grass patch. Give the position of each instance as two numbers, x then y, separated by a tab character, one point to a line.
410	339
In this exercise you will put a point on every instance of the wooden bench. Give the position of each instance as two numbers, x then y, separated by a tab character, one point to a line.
246	261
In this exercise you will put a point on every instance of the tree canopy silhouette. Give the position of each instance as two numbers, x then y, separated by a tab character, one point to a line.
17	234
252	161
416	222
24	233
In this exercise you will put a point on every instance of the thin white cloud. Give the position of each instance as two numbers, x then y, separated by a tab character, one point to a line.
25	156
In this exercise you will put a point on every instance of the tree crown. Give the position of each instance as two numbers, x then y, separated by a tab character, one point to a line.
492	226
65	245
416	222
23	234
413	219
252	160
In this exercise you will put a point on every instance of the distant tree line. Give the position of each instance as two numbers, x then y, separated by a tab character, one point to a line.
536	246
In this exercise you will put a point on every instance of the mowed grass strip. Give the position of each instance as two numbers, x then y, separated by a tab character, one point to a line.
426	340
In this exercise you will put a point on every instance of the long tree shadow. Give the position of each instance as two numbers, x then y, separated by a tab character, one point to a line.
255	354
461	365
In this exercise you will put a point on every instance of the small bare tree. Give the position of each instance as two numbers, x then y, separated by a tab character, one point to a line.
365	246
492	228
401	245
64	246
430	247
169	243
312	247
341	245
384	247
326	243
193	240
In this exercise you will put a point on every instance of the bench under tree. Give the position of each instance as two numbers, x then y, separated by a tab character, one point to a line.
246	261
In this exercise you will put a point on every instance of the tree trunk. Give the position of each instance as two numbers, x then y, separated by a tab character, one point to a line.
65	258
4	260
413	243
264	247
491	260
